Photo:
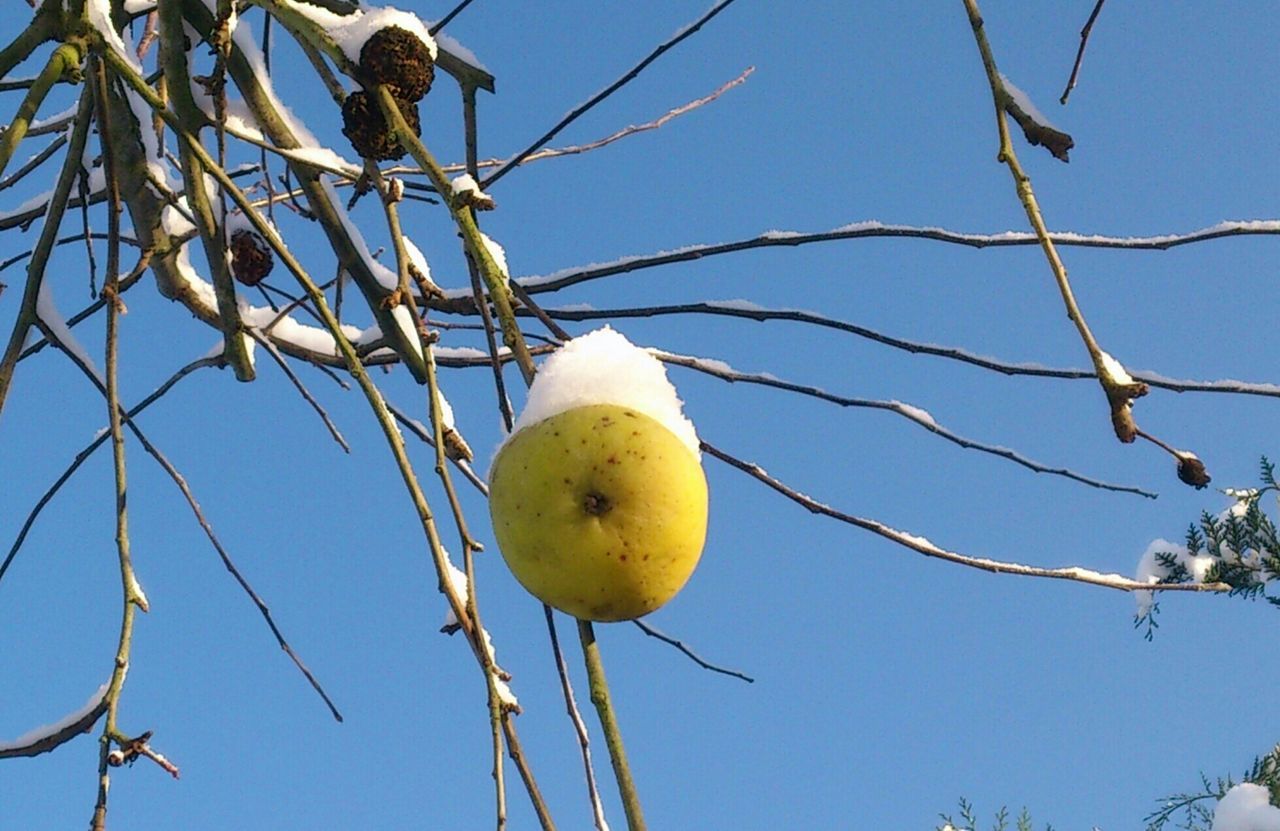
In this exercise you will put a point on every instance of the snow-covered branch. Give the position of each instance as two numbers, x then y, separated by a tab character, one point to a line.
924	546
722	370
874	229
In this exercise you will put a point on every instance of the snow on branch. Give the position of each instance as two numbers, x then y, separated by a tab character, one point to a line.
722	370
46	738
929	549
872	228
1037	129
747	309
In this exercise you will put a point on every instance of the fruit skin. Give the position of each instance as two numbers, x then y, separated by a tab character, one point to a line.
600	511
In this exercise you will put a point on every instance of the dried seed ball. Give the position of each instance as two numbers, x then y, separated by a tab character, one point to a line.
368	131
399	59
251	259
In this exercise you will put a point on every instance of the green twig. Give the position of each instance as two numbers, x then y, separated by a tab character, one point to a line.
44	26
65	60
212	228
133	597
469	545
48	236
385	421
609	724
494	278
320	197
1120	392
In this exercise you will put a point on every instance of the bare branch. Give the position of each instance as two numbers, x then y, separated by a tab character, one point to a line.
721	370
45	739
1084	41
693	656
873	229
579	726
300	387
577	111
750	311
927	548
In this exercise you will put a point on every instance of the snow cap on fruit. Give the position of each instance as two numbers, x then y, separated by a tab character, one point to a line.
603	367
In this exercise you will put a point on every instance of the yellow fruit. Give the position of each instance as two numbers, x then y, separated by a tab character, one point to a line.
600	511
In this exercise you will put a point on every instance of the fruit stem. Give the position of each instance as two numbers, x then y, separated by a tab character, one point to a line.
609	724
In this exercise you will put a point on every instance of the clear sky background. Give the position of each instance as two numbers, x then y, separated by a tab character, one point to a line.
887	685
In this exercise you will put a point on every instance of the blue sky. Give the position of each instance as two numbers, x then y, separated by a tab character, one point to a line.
887	685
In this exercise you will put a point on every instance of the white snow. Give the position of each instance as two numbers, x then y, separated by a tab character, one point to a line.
446	411
1115	371
32	736
417	259
1151	570
916	414
100	19
304	336
40	200
135	588
738	305
1023	102
220	348
186	272
466	353
385	276
49	315
603	367
244	41
324	158
57	118
462	53
350	31
458	579
465	184
408	328
498	253
1246	807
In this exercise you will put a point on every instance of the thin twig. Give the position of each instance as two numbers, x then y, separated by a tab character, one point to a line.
32	163
579	726
868	230
689	653
927	548
1120	389
630	130
1084	41
420	430
133	597
719	369
266	344
88	450
444	21
491	342
627	77
609	725
751	311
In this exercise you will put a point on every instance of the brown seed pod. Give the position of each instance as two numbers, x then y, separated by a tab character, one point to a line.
251	258
368	131
399	59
